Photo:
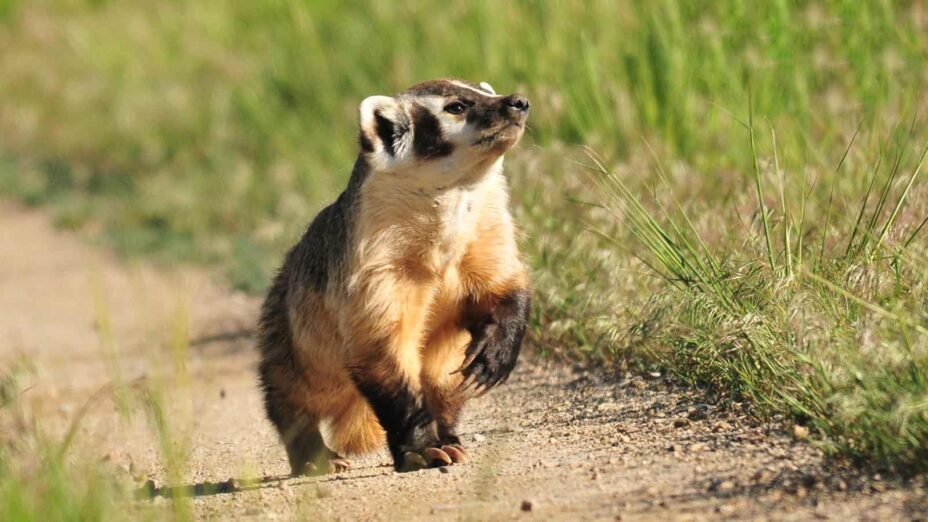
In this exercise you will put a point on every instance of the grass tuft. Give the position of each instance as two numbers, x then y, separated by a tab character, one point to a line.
842	348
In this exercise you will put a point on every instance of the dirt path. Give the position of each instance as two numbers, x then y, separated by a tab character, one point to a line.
552	443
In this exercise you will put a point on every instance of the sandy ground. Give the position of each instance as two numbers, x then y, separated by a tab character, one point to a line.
553	443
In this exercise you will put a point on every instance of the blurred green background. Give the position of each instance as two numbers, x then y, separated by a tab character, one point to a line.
211	131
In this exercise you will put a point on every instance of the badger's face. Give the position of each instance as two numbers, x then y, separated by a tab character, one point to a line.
440	127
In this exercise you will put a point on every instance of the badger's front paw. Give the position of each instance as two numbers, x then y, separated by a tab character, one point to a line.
490	358
496	338
432	457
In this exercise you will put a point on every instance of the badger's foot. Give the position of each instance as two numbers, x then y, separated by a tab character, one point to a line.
456	452
335	464
339	464
433	458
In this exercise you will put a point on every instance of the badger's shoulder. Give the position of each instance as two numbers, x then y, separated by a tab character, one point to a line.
322	252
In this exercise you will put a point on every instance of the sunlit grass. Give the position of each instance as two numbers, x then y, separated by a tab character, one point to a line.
212	130
38	480
833	333
46	470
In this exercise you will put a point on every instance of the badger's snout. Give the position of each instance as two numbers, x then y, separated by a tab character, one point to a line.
515	108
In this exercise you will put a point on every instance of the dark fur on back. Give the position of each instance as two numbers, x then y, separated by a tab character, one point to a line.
321	253
318	260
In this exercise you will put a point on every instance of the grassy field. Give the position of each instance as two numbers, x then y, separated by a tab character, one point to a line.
728	191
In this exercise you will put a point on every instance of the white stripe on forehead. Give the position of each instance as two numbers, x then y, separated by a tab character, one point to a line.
485	91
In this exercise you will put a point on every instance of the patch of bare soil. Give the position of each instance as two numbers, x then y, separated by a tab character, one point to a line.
553	443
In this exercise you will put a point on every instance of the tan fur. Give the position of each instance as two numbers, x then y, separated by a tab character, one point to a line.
419	262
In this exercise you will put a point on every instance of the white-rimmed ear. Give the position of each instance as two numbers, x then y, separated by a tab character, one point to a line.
384	129
487	87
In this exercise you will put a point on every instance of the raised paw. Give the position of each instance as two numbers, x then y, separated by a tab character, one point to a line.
433	458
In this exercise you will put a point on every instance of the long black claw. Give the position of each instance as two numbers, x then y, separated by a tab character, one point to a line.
467	383
472	356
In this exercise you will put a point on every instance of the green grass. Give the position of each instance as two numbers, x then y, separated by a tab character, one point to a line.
47	472
829	328
37	479
750	263
212	130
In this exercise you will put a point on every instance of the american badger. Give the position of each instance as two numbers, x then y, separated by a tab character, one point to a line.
407	295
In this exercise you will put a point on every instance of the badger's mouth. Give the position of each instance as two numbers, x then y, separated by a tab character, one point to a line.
501	137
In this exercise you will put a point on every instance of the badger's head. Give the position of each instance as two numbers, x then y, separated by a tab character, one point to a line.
441	128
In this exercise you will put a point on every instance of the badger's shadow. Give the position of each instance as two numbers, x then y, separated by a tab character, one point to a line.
149	491
206	489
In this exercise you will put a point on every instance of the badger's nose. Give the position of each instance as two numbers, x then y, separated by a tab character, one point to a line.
517	102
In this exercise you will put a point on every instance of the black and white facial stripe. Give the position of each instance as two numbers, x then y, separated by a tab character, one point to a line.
386	131
434	120
428	139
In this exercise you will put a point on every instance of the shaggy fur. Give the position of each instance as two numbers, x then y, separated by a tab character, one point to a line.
405	296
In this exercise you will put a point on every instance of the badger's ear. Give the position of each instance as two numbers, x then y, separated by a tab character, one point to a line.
384	126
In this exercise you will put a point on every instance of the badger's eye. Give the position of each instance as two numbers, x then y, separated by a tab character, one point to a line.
455	108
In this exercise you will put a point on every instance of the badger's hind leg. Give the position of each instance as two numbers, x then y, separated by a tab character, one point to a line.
354	427
299	430
292	405
306	449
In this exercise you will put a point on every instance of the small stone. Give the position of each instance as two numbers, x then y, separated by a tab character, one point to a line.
479	438
679	423
800	432
697	447
762	476
222	393
444	469
526	505
696	414
721	426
